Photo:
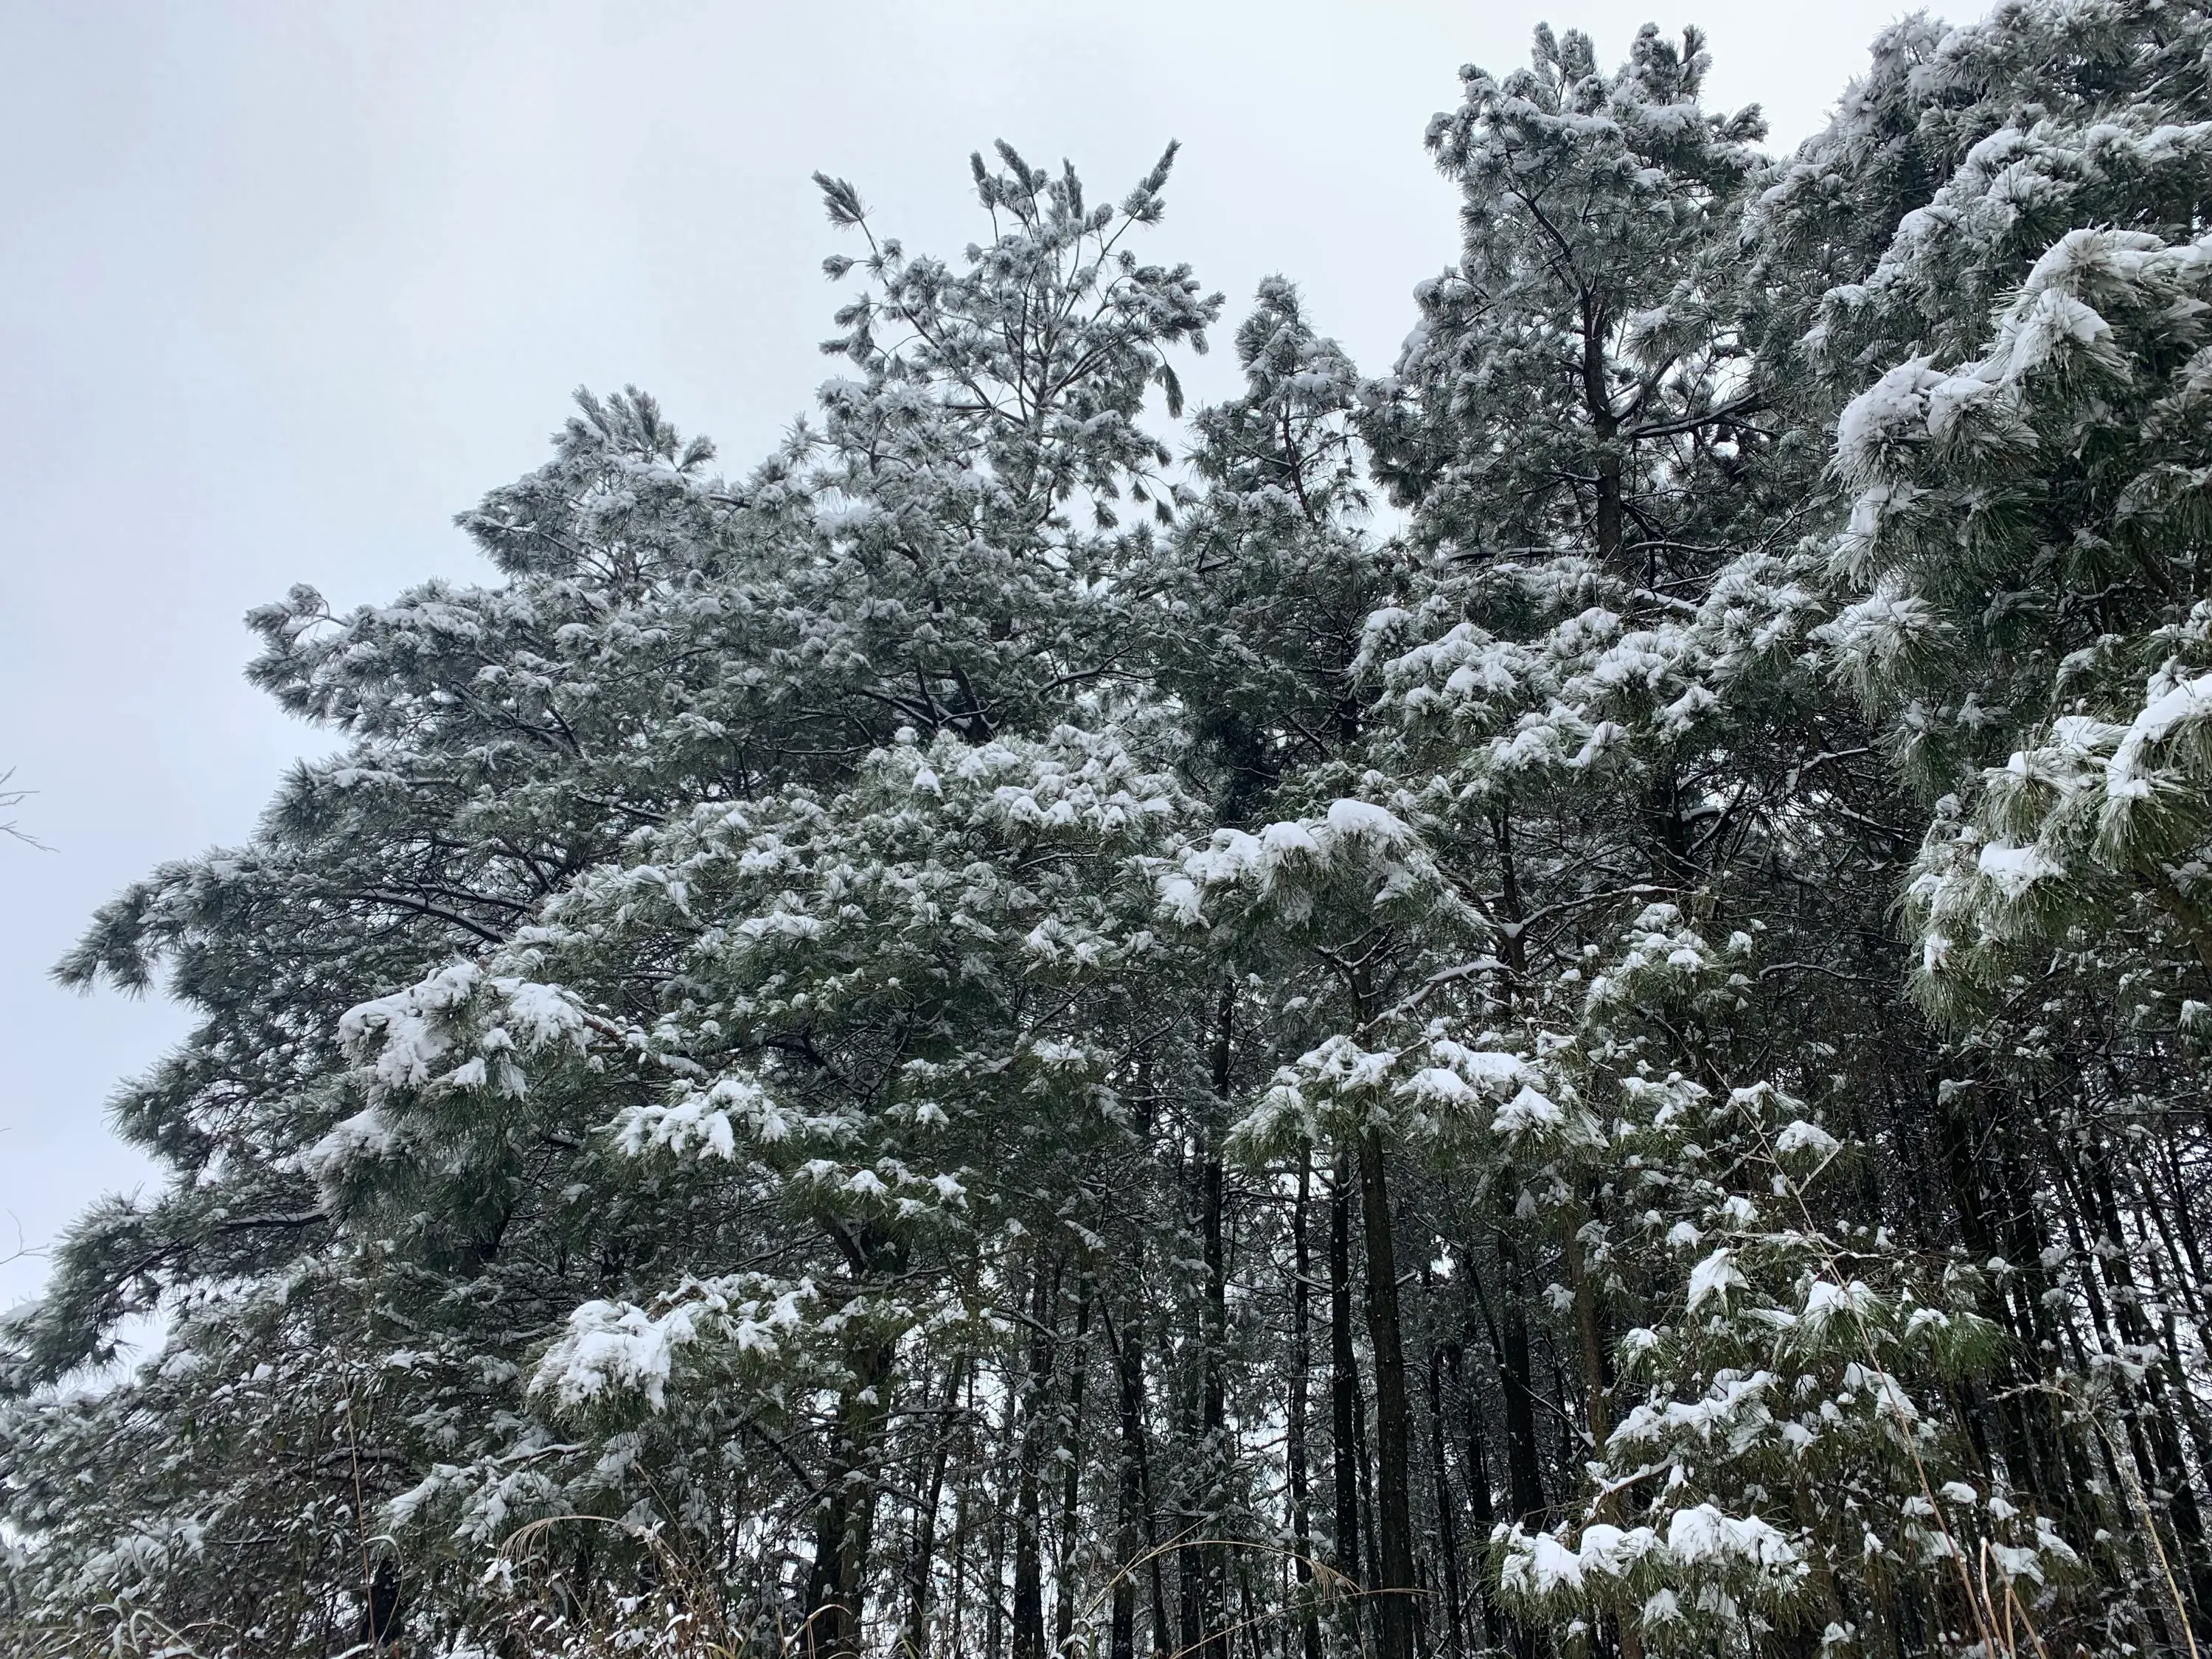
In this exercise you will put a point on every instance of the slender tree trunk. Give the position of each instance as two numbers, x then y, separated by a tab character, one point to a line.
923	1564
1393	1429
1608	517
2193	1414
1370	1551
1478	1501
2182	1512
1129	1377
1070	1484
1589	1334
1447	1516
1190	1564
995	1611
1136	1495
1029	1510
1345	1407
1301	1369
1524	1482
961	1514
2066	1460
1977	1204
1213	1557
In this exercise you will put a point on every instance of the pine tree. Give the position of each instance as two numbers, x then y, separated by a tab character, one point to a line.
1001	1037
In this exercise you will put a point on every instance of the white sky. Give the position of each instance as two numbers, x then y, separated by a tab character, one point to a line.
284	287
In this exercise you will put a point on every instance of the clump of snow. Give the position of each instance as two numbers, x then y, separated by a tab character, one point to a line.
1713	1278
2014	869
611	1348
1799	1136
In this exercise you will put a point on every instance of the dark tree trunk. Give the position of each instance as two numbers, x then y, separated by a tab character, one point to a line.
1447	1516
1393	1428
962	1507
1301	1371
1607	519
1597	1407
1524	1481
1071	1482
1028	1499
994	1582
1479	1502
848	1512
1345	1408
1213	1556
1129	1377
922	1562
1140	1534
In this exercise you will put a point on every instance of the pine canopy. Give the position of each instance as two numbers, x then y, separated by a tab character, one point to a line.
1552	1002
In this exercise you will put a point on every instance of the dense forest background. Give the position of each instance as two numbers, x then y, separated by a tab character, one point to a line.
1553	1003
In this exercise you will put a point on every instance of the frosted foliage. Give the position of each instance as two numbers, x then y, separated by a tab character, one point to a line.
1554	1002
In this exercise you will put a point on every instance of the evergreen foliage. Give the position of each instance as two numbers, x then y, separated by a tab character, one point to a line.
1001	1037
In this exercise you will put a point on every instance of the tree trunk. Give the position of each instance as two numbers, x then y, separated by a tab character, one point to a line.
2183	1515
1070	1483
1028	1504
1597	1395
846	1515
1295	1449
1345	1408
962	1506
1479	1503
1447	1518
1129	1376
1524	1481
994	1582
1607	522
922	1564
1136	1503
1213	1557
1395	1580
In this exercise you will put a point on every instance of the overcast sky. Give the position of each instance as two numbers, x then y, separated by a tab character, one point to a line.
283	287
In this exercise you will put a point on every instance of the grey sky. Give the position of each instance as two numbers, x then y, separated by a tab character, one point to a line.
282	287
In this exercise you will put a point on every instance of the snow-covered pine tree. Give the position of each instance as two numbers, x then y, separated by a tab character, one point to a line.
1272	589
1587	378
984	1042
497	741
1580	377
1794	1472
2018	590
666	644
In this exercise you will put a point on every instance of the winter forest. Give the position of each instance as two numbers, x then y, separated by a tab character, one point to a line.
1551	999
